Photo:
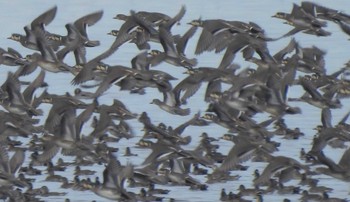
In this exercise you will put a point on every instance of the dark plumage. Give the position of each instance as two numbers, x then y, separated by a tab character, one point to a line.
249	107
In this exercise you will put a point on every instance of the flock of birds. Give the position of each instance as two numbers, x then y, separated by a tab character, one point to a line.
233	99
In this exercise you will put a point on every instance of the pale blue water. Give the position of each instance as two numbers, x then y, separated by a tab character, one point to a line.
16	14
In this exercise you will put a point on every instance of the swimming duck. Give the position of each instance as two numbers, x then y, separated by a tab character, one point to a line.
44	191
128	152
66	184
326	198
152	190
145	196
78	171
52	177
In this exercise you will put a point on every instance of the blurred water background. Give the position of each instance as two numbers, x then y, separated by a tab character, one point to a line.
16	14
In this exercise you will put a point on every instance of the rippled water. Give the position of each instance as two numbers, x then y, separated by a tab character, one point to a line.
16	14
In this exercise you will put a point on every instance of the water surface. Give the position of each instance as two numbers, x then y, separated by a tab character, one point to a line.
16	14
